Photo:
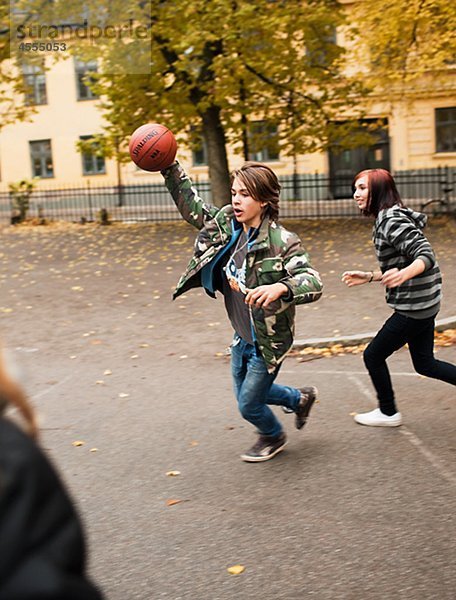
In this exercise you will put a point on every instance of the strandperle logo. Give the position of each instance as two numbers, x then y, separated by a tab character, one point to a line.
37	31
120	38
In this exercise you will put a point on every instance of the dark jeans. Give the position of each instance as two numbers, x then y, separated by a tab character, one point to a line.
397	331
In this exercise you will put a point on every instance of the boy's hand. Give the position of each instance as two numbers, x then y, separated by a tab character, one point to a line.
263	295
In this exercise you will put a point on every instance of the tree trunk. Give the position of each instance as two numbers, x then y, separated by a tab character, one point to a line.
219	175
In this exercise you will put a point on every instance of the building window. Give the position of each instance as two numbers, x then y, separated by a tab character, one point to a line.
83	78
372	152
41	155
445	129
34	84
324	49
263	142
92	162
199	154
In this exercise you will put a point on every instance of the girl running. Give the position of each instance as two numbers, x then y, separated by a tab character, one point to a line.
412	280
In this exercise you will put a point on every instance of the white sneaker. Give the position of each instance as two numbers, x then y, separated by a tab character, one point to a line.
375	418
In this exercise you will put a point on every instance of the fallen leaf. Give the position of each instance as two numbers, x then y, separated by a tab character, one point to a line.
308	358
173	473
122	395
107	372
442	338
93	450
78	443
173	501
236	569
445	338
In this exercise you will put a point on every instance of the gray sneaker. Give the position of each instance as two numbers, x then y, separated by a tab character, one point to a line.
266	447
308	397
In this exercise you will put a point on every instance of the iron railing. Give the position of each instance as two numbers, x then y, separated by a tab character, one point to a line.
303	196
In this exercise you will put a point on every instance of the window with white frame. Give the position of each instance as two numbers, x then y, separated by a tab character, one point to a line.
83	70
41	157
34	84
199	154
263	141
93	163
445	129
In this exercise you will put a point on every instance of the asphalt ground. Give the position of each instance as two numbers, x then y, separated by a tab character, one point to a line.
345	512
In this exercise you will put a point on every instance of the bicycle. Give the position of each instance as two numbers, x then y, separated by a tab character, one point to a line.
444	202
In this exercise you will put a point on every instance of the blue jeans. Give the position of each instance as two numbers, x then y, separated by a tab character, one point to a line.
254	388
397	331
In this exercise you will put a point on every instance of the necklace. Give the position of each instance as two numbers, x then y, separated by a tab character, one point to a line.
249	238
235	273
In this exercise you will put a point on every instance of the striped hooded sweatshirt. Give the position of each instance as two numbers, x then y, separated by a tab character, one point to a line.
399	240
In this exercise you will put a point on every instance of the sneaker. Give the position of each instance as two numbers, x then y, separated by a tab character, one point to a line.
308	397
266	447
375	418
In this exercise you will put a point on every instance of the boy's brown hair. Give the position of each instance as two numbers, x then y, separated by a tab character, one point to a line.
262	184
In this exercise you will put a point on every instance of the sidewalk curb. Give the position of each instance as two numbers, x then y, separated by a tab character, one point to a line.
360	338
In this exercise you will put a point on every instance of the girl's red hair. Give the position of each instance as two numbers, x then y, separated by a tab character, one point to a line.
382	190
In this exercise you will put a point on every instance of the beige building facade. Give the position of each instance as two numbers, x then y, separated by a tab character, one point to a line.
419	135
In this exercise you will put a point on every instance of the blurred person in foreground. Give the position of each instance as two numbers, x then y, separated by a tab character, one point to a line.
42	549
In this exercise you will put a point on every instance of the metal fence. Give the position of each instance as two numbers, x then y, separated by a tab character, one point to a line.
303	196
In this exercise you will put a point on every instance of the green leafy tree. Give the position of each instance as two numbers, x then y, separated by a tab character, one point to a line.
407	46
208	68
20	194
218	65
12	89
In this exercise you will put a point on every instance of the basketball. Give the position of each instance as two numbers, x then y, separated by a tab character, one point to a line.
152	147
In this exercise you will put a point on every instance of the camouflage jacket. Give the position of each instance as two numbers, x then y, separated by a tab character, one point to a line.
276	255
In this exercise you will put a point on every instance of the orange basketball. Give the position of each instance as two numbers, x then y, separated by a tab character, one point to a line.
152	147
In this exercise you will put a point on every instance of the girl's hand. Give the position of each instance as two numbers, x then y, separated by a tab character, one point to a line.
352	278
263	295
393	278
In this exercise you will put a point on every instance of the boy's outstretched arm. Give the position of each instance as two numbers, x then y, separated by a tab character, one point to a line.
192	208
